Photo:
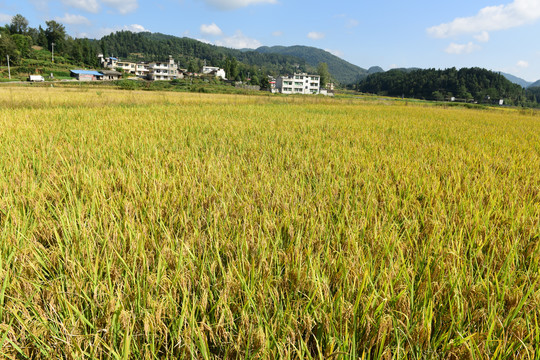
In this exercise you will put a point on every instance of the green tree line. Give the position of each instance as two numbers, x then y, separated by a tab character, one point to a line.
467	84
18	39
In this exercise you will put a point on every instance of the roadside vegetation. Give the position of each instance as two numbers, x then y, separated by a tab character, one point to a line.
162	225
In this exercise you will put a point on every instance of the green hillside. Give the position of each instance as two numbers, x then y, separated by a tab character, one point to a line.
466	84
192	54
341	70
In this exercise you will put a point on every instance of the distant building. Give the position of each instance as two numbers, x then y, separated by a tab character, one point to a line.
111	75
126	66
142	70
272	84
300	83
109	62
86	75
212	70
152	71
163	70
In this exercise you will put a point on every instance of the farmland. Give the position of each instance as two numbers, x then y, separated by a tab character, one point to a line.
159	225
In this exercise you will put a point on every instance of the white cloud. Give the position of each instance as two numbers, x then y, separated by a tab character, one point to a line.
94	6
349	22
522	64
107	31
5	18
211	29
71	19
393	66
122	6
491	18
136	28
352	23
337	53
205	41
91	6
41	5
236	4
239	41
459	49
482	37
315	35
277	33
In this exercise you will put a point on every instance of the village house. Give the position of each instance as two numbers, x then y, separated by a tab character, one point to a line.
109	62
158	70
163	70
212	70
126	66
86	75
142	70
300	83
111	75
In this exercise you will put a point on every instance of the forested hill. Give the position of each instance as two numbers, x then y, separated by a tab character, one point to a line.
190	52
467	83
341	70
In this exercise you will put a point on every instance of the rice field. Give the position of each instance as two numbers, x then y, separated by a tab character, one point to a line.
144	225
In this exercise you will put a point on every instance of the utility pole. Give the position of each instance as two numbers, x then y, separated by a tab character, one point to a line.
9	69
52	55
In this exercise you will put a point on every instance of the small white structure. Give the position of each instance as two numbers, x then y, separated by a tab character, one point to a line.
212	70
109	62
36	78
301	83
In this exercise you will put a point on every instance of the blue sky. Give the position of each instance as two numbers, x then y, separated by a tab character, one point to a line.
500	35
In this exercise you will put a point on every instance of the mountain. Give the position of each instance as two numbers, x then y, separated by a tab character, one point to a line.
341	70
516	80
535	84
375	70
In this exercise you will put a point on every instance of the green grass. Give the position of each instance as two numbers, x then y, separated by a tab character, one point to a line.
164	225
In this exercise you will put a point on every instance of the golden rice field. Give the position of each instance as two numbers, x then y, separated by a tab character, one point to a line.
144	225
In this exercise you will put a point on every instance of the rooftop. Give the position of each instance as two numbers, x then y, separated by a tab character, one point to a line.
86	72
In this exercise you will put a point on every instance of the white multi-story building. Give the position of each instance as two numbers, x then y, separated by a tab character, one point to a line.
163	70
301	83
142	70
126	66
152	71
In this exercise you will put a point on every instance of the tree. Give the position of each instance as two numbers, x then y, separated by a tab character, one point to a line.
56	33
19	24
8	48
322	69
23	43
192	66
42	38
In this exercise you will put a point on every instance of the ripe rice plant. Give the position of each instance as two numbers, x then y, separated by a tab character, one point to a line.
165	225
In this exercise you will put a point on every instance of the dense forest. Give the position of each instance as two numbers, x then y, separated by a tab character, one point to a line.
17	40
467	84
